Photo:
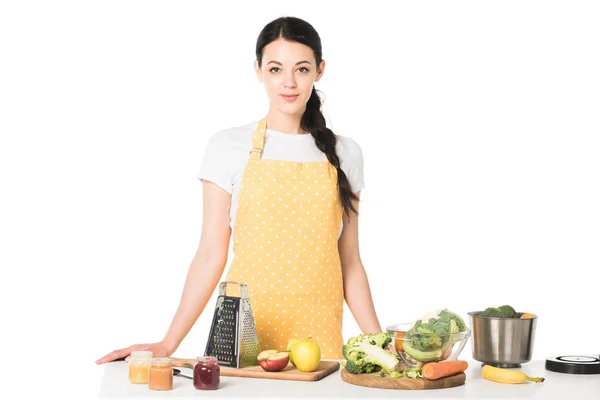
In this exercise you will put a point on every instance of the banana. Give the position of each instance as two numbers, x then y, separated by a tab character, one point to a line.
502	375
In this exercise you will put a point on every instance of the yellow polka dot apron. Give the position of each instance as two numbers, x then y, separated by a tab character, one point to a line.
285	250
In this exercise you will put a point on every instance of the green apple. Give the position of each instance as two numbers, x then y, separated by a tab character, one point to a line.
291	344
306	354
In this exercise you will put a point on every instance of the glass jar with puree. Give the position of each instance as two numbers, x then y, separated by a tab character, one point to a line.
139	363
160	375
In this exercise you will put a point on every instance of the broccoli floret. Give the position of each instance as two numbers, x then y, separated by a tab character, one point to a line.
499	312
395	374
353	368
507	311
413	373
489	312
369	368
368	353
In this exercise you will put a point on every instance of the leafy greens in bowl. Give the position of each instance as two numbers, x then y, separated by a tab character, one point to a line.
439	335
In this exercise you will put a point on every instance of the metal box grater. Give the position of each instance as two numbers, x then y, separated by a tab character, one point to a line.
233	340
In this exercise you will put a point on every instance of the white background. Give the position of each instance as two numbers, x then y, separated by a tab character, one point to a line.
479	124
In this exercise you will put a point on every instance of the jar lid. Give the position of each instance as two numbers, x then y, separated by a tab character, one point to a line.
141	354
207	359
165	361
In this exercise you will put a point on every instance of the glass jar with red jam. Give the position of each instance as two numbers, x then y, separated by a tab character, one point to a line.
207	373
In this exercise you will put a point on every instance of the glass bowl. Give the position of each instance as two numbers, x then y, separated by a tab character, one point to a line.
447	347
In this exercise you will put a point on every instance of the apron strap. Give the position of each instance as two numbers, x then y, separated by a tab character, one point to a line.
258	140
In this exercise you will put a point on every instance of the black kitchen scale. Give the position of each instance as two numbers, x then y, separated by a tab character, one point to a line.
588	364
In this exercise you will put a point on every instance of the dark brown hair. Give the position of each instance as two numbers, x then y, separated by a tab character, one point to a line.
297	30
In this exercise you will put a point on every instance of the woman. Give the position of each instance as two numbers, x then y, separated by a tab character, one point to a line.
292	189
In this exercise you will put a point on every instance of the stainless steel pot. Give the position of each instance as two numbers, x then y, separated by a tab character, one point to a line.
502	342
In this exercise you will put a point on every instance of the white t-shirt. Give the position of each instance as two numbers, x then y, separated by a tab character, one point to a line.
228	151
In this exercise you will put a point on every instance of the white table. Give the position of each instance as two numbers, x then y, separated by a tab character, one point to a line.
556	386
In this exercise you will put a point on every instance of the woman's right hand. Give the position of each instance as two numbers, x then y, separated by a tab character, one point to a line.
158	350
203	276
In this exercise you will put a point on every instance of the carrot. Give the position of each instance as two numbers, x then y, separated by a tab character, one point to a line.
398	341
437	370
527	315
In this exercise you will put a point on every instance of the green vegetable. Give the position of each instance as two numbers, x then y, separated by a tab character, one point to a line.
382	373
499	312
396	374
427	339
422	356
413	373
355	369
368	353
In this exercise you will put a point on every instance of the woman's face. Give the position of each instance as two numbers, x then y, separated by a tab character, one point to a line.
288	72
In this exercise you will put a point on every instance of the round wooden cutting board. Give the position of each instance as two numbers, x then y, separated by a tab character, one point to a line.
376	381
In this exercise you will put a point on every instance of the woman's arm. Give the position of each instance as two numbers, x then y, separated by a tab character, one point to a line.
207	266
356	284
203	275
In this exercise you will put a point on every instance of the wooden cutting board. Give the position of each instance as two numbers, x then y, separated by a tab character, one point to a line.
376	381
289	373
